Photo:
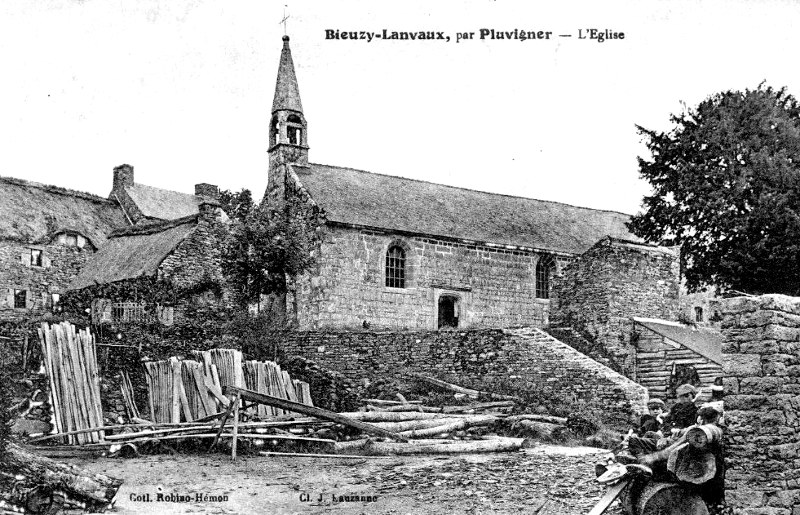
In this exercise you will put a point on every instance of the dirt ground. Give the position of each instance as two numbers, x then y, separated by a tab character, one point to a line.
552	480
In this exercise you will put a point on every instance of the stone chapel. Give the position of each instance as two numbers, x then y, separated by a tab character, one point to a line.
398	253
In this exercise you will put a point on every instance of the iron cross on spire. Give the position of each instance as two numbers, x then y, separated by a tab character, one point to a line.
285	19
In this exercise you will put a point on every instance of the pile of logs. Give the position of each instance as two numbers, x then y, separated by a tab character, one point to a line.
406	424
677	475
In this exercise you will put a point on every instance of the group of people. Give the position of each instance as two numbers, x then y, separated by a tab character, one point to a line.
660	429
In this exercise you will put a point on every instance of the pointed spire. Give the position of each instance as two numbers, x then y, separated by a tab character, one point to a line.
287	94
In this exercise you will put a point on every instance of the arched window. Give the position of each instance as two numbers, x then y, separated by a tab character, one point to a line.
294	129
396	267
544	274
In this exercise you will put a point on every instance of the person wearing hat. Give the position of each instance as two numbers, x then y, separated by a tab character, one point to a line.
683	413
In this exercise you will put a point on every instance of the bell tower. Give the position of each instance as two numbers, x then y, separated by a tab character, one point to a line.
288	135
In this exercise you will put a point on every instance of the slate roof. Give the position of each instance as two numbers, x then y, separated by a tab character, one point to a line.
34	212
163	204
705	341
381	201
133	252
287	94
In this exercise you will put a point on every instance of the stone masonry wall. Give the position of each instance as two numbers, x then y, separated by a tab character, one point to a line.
60	264
762	403
495	287
520	361
198	257
615	280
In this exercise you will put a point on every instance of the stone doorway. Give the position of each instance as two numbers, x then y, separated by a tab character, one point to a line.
448	312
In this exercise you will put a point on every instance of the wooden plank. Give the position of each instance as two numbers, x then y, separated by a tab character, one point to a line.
95	409
149	377
497	444
236	403
307	455
291	391
176	387
310	410
79	382
609	497
187	412
223	401
216	392
44	337
201	388
65	373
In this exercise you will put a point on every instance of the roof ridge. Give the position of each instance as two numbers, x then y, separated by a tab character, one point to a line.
55	189
151	228
464	189
163	189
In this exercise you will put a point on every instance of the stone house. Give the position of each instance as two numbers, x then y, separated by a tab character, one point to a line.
184	254
407	254
46	236
49	235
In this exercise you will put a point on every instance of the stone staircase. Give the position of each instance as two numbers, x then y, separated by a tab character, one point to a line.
575	340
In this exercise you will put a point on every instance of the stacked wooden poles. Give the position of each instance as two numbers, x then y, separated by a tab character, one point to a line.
267	377
71	363
191	389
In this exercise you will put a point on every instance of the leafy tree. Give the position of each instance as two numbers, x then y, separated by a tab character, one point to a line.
726	189
264	247
237	206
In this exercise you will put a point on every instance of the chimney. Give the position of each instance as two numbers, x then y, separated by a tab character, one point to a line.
123	176
210	212
208	191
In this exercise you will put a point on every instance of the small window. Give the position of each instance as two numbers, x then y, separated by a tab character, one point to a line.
20	299
36	257
71	239
698	314
544	274
54	298
274	131
396	267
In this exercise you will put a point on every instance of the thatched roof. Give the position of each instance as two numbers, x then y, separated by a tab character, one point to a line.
163	204
381	201
705	341
133	252
34	212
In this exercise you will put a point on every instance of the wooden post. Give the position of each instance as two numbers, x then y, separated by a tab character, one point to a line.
235	425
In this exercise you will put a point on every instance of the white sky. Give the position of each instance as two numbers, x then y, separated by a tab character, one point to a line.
182	89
